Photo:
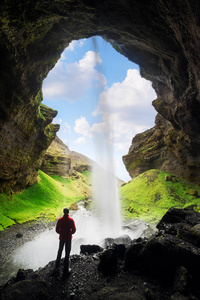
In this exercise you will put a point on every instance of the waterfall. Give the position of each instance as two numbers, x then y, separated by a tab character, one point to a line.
106	202
105	187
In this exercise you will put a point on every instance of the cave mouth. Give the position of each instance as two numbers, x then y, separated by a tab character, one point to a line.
98	91
160	37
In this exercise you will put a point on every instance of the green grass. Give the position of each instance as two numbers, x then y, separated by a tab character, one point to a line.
150	195
44	199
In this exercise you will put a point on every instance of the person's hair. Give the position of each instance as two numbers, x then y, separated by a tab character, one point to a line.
66	210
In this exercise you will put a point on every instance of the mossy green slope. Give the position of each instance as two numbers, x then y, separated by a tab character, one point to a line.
151	194
44	199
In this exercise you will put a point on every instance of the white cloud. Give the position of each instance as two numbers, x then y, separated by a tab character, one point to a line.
72	46
83	127
126	108
57	121
72	81
67	127
80	141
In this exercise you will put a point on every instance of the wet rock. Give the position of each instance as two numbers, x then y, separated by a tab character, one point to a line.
108	261
183	223
139	227
163	266
133	255
162	255
169	256
124	239
120	250
90	249
175	215
22	274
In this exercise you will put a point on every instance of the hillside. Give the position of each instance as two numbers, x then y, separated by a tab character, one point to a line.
45	199
146	197
152	193
60	160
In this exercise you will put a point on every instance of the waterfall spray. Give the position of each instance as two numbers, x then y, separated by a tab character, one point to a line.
105	188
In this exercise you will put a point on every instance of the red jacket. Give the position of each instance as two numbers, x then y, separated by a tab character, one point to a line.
65	227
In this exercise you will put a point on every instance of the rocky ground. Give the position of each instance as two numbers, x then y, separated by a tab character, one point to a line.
165	266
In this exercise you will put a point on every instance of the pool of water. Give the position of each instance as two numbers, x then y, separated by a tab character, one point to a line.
43	248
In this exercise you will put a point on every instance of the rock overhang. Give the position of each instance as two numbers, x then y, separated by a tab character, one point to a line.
162	37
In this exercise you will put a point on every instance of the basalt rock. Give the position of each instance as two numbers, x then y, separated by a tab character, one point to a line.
184	224
161	36
172	254
90	249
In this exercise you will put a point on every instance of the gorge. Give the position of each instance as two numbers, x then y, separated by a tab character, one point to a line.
162	37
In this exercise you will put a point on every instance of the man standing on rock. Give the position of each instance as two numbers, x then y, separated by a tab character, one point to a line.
65	227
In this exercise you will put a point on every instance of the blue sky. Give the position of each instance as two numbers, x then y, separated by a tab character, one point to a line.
99	94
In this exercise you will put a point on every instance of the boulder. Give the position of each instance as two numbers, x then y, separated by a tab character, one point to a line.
108	261
133	258
90	249
184	223
175	215
172	251
124	239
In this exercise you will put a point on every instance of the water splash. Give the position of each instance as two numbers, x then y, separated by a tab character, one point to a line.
106	202
43	248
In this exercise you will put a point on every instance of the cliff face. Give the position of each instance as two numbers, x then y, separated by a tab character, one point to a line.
59	160
166	148
24	137
163	37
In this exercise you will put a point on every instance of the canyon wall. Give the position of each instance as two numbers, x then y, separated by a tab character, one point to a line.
163	37
59	160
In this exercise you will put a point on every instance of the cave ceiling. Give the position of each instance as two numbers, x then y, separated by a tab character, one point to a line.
163	37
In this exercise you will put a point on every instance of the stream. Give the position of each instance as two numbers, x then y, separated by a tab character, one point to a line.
43	248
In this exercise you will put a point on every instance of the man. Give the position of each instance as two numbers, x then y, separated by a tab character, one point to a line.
65	227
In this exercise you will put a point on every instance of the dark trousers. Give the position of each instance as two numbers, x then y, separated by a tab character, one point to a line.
67	252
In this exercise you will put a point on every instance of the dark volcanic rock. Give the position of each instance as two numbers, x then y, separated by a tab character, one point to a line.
90	249
184	224
163	266
108	261
175	215
161	36
169	255
124	239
